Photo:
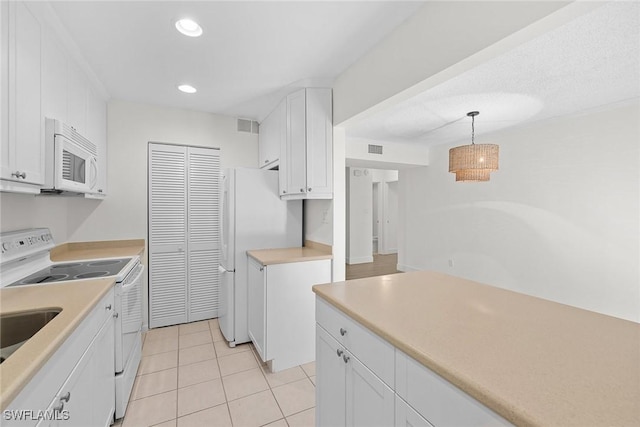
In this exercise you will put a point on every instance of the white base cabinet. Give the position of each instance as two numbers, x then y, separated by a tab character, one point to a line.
76	387
281	310
350	365
362	380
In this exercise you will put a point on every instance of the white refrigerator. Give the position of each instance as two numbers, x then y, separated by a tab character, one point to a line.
253	217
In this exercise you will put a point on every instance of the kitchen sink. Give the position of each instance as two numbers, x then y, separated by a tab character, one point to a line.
17	328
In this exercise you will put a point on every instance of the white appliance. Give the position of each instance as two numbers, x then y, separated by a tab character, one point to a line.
71	160
253	217
25	261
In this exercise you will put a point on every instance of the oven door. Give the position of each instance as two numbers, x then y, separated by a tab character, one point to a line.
128	315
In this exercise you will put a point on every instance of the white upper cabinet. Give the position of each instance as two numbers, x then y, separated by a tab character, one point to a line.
272	132
39	79
77	90
21	128
96	124
306	158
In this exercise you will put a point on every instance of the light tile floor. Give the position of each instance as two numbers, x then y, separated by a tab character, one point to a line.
190	377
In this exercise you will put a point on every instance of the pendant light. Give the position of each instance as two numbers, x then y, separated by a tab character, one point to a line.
473	162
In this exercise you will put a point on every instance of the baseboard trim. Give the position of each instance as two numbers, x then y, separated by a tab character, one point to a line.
359	260
405	268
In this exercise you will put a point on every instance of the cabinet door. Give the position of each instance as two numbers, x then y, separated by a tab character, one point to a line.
330	381
167	235
406	416
369	402
294	171
257	300
23	147
104	384
77	99
203	233
74	402
319	131
96	132
272	132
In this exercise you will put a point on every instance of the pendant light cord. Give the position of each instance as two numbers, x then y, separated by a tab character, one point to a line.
473	115
473	130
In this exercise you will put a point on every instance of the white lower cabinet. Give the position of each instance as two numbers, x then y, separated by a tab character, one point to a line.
354	373
348	393
88	395
281	315
76	387
406	416
362	380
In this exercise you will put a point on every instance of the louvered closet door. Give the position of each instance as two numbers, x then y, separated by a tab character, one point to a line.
203	237
167	235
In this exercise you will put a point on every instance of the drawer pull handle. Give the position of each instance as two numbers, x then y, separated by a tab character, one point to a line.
345	358
116	315
108	307
343	331
58	408
66	397
339	352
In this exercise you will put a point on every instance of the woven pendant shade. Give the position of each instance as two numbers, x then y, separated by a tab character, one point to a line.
473	175
473	162
474	156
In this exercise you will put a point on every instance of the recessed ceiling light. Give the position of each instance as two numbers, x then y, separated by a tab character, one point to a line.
187	89
189	27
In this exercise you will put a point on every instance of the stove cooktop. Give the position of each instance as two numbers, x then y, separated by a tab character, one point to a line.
74	271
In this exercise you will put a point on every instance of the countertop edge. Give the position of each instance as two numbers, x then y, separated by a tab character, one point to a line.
468	387
9	393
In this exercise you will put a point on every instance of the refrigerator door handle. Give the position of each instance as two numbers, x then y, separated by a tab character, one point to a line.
221	269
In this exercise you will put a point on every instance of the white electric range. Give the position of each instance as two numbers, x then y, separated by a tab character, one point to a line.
25	261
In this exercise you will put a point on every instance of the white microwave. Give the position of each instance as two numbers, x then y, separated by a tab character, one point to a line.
71	163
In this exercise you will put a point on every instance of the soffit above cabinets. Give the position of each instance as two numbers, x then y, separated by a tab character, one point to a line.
588	63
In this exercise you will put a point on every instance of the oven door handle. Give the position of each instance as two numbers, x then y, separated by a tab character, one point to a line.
132	283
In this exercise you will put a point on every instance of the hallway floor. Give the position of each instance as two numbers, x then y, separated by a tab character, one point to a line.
190	377
381	265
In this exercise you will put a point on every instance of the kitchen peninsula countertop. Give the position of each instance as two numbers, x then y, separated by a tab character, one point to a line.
533	361
76	299
310	252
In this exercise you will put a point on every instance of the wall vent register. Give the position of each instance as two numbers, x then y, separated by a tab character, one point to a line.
375	149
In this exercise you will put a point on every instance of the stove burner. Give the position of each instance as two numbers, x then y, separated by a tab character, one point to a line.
46	279
91	275
67	265
105	262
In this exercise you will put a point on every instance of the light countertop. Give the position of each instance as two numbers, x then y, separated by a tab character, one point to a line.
310	252
533	361
76	299
91	250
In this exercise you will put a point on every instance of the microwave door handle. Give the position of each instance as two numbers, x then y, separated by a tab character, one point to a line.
94	172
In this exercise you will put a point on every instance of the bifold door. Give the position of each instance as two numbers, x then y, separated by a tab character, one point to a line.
184	253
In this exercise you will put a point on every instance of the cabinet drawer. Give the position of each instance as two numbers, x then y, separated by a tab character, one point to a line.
374	352
437	400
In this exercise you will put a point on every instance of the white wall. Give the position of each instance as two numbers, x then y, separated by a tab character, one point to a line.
359	216
559	220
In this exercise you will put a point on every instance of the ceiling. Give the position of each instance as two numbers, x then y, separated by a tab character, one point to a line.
250	56
591	62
